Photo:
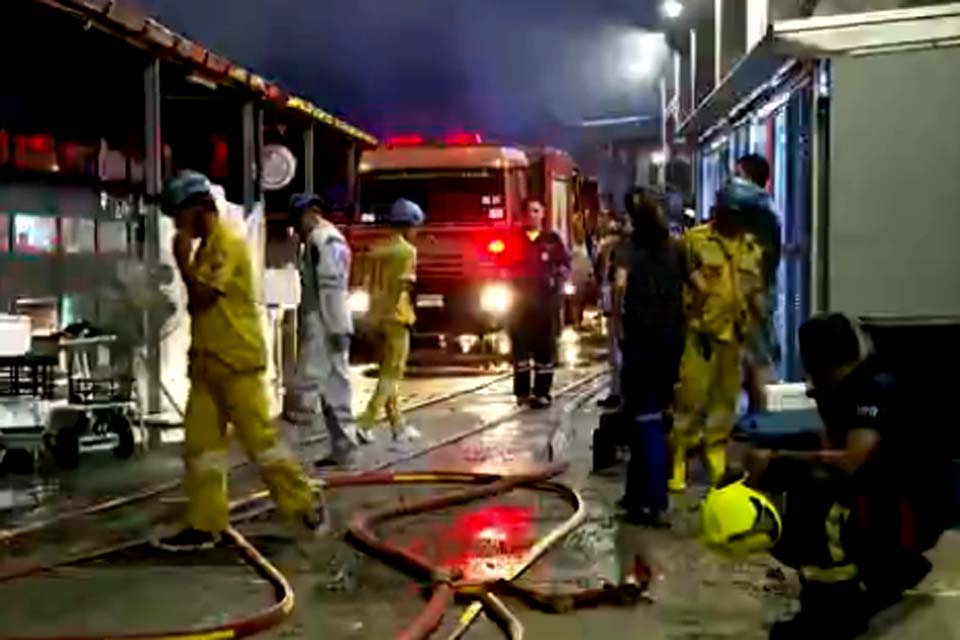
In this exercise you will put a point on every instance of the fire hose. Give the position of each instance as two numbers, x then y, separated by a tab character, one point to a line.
445	587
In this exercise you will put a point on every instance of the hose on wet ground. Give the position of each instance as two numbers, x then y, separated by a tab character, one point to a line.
243	627
446	587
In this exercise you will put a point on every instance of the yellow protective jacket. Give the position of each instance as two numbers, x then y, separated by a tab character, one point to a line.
391	273
723	297
230	329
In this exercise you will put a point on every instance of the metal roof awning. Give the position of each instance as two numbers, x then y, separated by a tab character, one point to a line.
823	37
148	34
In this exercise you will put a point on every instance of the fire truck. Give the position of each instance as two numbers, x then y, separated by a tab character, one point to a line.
473	195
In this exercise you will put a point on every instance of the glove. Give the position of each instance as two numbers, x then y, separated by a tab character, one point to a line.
339	342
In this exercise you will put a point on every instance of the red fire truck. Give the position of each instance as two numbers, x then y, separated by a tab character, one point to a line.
473	195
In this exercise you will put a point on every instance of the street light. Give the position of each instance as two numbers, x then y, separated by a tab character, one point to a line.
672	9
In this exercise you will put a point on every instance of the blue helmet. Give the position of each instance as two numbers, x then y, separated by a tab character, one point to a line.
303	201
182	187
406	212
742	195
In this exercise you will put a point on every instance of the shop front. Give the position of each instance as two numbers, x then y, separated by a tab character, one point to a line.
86	140
856	117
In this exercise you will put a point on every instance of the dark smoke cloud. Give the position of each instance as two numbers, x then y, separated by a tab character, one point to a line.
517	69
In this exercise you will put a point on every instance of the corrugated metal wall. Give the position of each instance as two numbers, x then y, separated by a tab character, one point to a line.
894	212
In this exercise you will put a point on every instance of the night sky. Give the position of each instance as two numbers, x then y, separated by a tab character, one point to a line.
513	69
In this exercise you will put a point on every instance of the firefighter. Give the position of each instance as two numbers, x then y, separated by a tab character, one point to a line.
722	298
390	278
228	358
323	376
535	325
862	510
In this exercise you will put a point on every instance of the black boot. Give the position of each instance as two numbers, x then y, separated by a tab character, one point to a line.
835	611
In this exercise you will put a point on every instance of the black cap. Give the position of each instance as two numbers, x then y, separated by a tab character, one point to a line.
829	341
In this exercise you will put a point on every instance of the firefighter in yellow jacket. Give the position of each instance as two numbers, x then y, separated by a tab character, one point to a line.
391	272
228	358
723	301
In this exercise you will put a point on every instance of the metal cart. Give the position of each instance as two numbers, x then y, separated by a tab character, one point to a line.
101	405
26	399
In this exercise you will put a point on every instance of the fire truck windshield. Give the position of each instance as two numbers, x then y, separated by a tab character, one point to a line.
462	196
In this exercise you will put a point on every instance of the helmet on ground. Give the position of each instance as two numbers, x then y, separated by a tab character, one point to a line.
181	188
405	212
741	195
738	521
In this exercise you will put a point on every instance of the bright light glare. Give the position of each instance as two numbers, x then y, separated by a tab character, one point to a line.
496	299
658	158
672	9
569	289
641	52
467	342
358	302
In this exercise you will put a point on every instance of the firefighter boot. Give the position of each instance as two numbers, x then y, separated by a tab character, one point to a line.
678	480
715	456
828	611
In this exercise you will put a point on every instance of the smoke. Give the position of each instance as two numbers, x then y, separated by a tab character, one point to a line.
516	70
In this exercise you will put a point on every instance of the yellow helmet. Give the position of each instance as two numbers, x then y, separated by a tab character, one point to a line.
738	521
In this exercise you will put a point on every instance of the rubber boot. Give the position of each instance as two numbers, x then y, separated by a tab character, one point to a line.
678	480
827	612
716	459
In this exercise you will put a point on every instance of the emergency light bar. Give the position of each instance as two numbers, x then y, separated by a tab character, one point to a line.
453	140
411	140
463	139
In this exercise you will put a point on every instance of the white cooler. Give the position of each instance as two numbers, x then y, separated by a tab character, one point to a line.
15	332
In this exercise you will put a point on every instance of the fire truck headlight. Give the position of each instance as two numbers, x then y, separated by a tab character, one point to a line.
569	289
496	299
358	302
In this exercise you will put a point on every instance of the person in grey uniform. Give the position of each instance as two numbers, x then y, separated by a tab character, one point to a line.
322	380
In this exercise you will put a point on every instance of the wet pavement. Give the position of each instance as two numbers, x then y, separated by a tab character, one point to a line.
342	593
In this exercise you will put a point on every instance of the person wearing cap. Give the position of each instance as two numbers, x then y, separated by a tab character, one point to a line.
322	379
391	271
866	505
759	218
535	323
227	361
722	298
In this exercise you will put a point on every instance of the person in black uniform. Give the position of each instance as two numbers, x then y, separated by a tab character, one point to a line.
544	266
859	512
653	339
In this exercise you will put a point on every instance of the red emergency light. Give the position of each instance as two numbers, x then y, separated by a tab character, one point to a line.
34	144
463	138
408	140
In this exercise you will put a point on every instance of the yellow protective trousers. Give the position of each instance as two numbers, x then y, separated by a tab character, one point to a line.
218	396
394	345
705	404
